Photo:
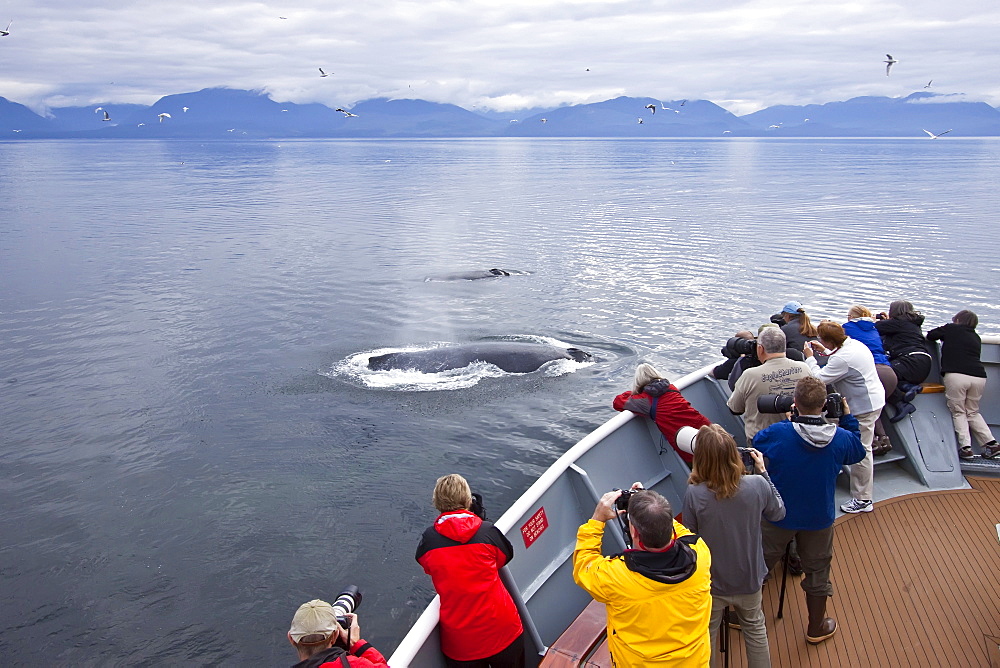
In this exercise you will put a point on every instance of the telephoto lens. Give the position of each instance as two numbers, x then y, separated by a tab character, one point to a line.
774	403
347	602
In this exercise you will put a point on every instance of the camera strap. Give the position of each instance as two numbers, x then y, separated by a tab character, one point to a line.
809	419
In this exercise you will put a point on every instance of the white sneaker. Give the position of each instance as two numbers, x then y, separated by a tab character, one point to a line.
857	506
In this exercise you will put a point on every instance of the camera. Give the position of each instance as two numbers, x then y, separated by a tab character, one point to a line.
746	458
737	346
347	602
833	408
621	503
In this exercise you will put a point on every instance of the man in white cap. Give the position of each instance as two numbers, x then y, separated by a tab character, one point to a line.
320	639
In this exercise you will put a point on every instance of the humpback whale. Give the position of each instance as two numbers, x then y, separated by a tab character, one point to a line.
511	356
475	275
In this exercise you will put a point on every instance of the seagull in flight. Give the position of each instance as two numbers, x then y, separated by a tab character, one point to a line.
107	116
162	116
929	83
683	102
935	136
185	109
6	31
651	107
889	63
324	74
640	120
545	120
346	113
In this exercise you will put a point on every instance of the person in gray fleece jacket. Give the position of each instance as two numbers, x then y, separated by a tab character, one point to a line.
725	507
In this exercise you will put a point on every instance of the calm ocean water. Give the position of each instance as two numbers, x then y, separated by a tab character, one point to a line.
180	464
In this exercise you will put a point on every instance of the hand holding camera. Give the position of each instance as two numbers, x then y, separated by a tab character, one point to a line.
756	457
350	630
607	508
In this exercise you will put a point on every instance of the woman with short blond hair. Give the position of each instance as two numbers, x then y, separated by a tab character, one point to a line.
452	492
463	553
725	508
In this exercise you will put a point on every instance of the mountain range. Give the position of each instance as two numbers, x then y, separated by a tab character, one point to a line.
223	113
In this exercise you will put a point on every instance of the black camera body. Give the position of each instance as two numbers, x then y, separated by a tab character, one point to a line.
746	458
621	503
833	408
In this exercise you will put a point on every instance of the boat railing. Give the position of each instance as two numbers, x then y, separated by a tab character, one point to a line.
564	495
573	486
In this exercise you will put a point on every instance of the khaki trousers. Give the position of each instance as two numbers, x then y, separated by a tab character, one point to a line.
750	612
862	478
963	394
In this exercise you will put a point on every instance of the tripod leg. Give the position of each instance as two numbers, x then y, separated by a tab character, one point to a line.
784	579
724	637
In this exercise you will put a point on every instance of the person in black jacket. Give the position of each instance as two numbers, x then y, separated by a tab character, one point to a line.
964	382
908	351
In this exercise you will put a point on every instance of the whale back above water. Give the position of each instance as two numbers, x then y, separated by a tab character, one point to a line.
512	357
476	274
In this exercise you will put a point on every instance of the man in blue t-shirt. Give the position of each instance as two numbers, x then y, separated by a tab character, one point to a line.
806	454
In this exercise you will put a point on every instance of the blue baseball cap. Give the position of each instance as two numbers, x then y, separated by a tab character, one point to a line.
791	307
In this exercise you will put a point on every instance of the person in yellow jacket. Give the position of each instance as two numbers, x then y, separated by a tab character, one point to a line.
658	594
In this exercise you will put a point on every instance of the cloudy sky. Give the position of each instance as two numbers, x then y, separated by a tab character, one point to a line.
506	56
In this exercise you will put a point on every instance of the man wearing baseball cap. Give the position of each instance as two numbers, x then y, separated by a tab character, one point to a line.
320	639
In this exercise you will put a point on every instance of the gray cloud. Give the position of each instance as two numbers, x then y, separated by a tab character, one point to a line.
501	55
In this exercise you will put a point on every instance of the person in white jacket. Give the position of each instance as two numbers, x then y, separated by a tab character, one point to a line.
850	368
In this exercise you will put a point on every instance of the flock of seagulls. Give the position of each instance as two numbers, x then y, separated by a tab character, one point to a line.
889	62
652	109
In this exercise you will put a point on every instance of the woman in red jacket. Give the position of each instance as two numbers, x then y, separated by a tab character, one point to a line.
463	554
654	397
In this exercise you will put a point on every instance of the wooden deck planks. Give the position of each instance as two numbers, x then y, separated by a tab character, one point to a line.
916	583
930	595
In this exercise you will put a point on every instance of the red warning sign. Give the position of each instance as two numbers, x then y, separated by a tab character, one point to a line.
534	527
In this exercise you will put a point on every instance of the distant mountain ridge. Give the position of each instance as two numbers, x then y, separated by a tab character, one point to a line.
224	113
880	116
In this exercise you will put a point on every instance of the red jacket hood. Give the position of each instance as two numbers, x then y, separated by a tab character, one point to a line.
459	525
